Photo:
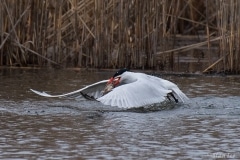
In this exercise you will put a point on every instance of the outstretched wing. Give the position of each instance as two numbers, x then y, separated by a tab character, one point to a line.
93	90
175	90
138	93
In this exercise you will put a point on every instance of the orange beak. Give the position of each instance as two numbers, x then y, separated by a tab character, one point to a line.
114	81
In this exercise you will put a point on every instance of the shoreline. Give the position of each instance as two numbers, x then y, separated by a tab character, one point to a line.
149	71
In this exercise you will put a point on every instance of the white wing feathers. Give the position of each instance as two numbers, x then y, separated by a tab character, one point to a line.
144	90
94	90
138	93
175	90
179	94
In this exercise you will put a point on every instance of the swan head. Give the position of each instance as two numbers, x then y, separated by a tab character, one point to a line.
117	78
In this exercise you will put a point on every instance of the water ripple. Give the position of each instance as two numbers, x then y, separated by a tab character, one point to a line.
206	127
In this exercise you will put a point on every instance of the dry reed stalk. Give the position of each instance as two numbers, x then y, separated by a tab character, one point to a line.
1	35
13	32
115	33
225	43
189	47
208	33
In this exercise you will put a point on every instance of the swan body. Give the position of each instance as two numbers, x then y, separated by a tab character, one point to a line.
128	89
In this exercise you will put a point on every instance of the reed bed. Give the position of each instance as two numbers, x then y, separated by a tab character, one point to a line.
116	33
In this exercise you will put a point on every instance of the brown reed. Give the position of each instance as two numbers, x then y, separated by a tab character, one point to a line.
116	33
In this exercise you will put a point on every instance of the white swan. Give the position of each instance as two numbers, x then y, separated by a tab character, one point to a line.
128	89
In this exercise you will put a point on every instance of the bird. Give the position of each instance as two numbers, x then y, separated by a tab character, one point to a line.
126	89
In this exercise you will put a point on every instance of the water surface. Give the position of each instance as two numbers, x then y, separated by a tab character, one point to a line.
33	127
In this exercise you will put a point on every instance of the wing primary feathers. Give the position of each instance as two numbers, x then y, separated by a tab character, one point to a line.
178	93
172	95
88	97
92	91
